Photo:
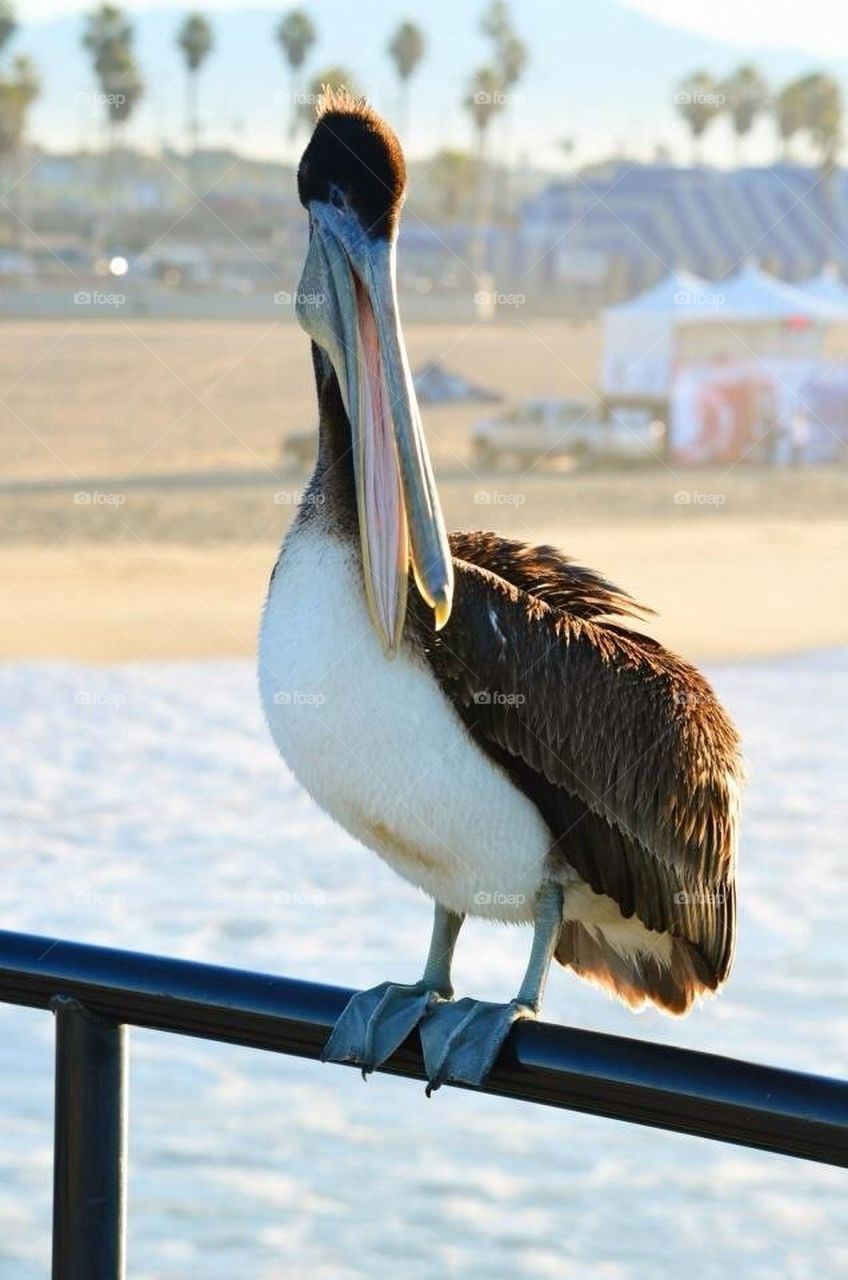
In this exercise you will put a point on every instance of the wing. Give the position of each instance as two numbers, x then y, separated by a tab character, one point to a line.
622	746
547	574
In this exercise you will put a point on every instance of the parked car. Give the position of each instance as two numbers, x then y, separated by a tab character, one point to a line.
551	427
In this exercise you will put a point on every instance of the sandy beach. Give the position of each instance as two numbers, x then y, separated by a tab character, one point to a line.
740	589
118	543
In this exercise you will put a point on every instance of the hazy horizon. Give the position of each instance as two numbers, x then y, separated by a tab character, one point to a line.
603	76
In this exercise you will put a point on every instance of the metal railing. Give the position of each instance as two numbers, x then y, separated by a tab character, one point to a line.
96	992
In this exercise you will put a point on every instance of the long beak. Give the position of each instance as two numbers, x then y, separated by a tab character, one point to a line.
347	302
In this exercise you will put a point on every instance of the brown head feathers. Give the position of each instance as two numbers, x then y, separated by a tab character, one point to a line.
354	152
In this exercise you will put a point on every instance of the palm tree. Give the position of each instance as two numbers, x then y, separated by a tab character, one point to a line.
483	101
697	98
746	96
329	78
513	57
789	113
10	123
8	25
822	114
406	49
19	87
195	40
823	121
296	36
18	90
510	58
108	38
510	51
496	22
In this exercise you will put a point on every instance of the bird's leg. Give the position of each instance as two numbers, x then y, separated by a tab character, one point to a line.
437	969
375	1023
461	1040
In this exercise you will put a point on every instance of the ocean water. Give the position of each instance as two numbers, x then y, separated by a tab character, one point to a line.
144	806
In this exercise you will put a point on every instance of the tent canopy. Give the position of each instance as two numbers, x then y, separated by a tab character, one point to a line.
827	287
642	335
674	295
753	294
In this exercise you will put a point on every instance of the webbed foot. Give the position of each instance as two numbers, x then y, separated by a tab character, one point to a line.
375	1023
462	1039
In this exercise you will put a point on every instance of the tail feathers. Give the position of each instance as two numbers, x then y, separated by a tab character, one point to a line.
671	981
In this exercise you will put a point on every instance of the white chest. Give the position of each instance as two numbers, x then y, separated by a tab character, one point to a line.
380	748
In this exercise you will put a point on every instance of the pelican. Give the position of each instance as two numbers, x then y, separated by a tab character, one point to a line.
477	711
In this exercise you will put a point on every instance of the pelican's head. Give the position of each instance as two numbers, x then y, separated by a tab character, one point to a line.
352	181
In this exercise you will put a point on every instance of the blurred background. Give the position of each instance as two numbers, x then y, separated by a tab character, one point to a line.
623	269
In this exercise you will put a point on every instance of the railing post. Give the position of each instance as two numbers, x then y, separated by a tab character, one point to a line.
89	1169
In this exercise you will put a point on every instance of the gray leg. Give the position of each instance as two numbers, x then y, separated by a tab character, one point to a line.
547	921
375	1023
462	1040
437	970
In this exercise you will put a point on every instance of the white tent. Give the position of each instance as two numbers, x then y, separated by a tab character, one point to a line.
684	316
741	377
752	294
827	287
638	335
756	317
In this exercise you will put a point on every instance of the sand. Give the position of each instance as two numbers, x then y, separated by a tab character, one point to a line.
129	395
743	589
738	562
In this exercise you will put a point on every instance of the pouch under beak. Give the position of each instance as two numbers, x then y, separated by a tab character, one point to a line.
347	302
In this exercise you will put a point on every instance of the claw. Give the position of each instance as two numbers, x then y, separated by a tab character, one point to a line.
375	1023
462	1039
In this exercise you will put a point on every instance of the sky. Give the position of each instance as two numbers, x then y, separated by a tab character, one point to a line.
817	27
601	72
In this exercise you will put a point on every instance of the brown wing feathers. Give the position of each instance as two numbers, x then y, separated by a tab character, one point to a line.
547	574
622	746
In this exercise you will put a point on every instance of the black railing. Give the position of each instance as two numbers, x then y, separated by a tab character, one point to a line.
96	992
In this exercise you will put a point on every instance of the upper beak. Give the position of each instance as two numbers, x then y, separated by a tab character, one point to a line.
347	302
